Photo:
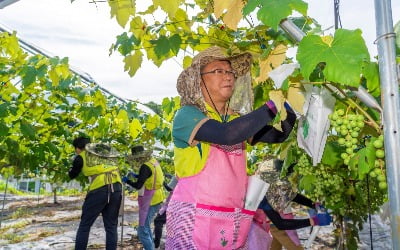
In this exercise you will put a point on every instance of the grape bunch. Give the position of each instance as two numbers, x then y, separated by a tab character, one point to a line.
327	181
378	171
347	127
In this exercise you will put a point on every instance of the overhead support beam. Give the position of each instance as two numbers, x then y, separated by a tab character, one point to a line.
5	3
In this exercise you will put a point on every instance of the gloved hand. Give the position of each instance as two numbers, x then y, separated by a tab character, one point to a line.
271	106
287	107
319	207
312	212
125	179
132	174
322	219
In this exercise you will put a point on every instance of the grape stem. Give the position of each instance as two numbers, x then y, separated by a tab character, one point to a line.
373	123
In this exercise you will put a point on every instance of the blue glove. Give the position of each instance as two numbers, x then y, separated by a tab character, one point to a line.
132	174
322	219
125	179
287	107
312	212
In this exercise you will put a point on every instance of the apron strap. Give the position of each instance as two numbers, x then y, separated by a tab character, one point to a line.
108	180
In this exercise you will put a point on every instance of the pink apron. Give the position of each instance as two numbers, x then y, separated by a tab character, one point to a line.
145	201
291	233
206	210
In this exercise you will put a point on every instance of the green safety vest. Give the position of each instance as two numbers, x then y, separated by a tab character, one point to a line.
155	182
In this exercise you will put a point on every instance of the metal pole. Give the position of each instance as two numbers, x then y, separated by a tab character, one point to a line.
4	199
336	13
122	215
391	106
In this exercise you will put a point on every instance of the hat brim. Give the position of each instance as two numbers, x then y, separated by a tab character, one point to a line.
111	153
188	83
240	63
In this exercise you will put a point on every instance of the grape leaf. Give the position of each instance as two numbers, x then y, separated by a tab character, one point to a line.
371	73
344	57
153	122
29	76
133	62
187	61
135	128
295	97
170	6
273	11
175	42
366	160
122	121
331	155
3	129
275	58
250	6
162	46
122	10
124	43
306	182
27	130
233	11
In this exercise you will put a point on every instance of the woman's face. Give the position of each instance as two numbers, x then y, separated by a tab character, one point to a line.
219	79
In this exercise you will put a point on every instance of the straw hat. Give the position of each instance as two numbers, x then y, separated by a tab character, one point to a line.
188	84
102	150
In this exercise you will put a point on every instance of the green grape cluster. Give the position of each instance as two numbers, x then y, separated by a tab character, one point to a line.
379	171
348	127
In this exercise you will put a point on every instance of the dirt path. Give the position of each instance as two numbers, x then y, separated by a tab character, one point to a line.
37	223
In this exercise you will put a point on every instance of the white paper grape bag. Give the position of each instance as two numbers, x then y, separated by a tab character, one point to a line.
314	124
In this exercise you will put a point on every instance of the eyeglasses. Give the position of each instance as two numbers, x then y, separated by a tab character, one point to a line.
220	72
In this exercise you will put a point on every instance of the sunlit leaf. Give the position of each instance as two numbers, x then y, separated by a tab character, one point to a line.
276	58
122	10
295	97
170	6
133	62
135	128
122	121
187	61
344	58
233	10
153	122
273	12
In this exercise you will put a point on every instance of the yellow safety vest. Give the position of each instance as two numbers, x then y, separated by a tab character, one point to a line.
155	182
100	175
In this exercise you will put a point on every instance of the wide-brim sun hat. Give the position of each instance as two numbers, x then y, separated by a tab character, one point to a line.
102	150
101	154
188	83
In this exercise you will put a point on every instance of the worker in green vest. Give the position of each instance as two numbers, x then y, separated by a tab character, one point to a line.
99	163
151	179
